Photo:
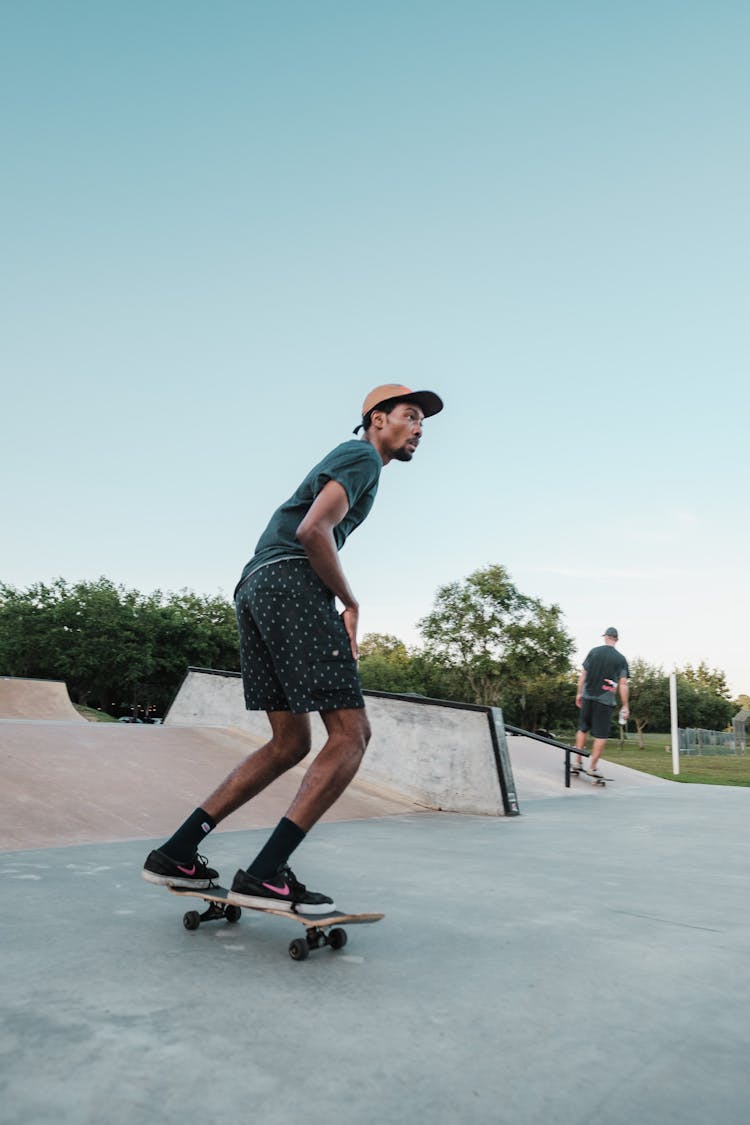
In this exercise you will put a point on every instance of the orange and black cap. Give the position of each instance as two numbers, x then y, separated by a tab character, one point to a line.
427	401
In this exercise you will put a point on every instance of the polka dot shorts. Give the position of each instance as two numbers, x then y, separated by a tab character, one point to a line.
294	650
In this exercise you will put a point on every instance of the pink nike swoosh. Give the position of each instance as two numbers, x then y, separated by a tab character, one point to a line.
279	890
186	870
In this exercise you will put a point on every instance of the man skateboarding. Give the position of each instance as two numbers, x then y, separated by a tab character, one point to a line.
299	655
604	673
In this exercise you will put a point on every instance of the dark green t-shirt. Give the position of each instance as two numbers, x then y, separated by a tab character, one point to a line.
604	667
356	465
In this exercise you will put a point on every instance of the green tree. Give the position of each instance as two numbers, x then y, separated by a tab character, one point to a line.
710	679
115	648
385	645
700	705
110	641
700	698
384	664
27	648
496	642
550	702
89	634
649	698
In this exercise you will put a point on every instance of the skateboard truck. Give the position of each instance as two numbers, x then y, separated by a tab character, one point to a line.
315	938
192	919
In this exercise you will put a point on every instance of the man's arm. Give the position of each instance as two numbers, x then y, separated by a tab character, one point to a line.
315	533
579	689
624	695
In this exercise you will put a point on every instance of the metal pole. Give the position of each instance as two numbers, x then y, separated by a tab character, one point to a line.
675	728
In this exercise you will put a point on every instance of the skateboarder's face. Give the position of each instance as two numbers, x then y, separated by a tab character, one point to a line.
401	431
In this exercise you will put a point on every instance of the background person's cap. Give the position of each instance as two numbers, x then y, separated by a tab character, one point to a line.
611	632
428	401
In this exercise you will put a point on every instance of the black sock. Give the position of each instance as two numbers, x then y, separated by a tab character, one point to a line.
285	837
184	843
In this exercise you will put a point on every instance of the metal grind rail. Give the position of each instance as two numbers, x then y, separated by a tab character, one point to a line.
551	742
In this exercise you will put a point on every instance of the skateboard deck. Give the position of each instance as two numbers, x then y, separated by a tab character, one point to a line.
596	778
320	930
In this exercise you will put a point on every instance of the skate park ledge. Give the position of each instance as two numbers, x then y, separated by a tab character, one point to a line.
447	756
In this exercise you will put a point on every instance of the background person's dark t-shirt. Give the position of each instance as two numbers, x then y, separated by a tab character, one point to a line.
604	667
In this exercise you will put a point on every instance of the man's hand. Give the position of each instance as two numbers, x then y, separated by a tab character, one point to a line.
579	700
350	617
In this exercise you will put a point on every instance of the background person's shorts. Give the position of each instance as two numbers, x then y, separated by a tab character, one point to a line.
294	650
595	717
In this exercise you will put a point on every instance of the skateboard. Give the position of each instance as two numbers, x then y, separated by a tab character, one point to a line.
596	778
319	930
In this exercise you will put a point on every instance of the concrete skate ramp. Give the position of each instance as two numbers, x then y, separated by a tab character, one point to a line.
36	699
440	755
539	772
75	783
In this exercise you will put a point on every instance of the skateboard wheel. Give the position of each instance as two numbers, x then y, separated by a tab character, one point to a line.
191	920
298	950
337	938
233	913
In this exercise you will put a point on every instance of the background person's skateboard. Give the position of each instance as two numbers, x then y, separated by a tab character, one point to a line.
596	778
320	930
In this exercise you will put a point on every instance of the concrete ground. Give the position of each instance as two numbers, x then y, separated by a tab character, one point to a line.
581	963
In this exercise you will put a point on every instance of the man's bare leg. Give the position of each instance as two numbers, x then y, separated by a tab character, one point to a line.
268	879
177	861
289	744
334	767
596	752
580	745
324	781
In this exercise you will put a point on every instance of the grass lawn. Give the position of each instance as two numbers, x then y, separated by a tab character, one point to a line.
93	715
709	769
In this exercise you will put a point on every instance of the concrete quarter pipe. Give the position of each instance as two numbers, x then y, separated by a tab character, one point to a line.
36	699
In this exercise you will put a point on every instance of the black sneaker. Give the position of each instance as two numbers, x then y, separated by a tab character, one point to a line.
166	872
281	891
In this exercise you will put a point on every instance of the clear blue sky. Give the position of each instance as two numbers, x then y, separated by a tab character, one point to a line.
223	223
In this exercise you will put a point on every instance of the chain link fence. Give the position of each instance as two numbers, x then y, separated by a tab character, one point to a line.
693	740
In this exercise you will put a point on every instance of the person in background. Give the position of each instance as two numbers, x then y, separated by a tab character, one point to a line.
603	675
